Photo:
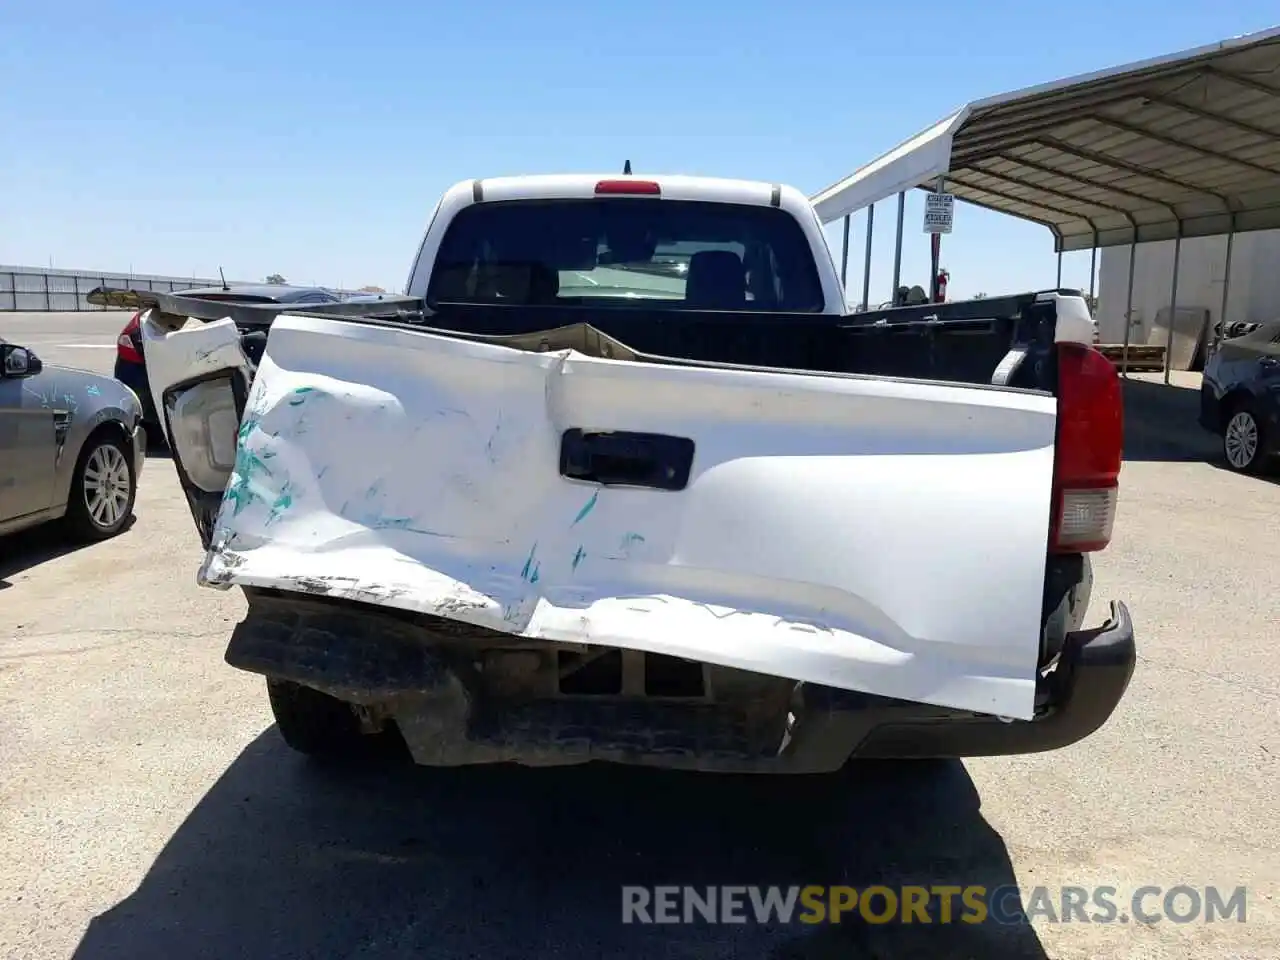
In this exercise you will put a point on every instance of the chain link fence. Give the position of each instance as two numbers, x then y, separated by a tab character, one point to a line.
37	289
40	289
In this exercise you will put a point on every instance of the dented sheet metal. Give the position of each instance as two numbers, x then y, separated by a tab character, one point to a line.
869	534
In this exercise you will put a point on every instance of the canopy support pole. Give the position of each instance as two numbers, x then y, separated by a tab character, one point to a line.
844	254
897	248
1093	267
1058	285
1173	305
1226	291
866	260
935	251
1128	307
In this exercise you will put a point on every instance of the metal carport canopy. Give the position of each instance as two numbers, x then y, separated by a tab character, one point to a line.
1185	143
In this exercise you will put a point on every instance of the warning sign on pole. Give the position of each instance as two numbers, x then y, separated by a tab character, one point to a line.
939	212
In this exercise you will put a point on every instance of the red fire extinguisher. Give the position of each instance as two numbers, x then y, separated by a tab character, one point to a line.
943	277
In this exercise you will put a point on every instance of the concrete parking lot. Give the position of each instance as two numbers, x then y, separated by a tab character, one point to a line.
85	340
148	809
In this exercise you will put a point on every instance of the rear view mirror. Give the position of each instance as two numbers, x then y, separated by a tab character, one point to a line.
19	362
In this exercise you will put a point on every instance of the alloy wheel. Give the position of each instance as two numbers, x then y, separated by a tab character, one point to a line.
106	485
1240	442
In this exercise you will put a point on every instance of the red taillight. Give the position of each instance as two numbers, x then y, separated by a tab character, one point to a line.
1086	469
644	188
125	349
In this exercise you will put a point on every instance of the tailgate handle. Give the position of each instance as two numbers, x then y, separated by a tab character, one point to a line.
627	459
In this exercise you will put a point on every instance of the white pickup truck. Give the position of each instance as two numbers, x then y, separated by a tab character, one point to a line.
617	479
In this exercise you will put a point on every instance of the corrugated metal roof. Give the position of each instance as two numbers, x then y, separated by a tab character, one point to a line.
1189	141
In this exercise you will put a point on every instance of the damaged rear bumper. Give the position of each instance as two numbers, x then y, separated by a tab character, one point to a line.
424	675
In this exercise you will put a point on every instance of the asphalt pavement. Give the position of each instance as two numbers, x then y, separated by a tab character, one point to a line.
86	341
148	808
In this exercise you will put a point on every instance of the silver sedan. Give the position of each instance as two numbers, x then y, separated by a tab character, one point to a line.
70	447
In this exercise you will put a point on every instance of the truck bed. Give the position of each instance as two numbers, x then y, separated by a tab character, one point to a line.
957	343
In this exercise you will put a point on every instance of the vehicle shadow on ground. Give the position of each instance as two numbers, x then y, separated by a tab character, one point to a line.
281	859
19	552
1161	423
1270	475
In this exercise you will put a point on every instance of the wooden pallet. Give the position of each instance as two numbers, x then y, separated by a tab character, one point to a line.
1143	358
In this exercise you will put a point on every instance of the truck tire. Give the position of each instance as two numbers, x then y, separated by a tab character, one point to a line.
323	727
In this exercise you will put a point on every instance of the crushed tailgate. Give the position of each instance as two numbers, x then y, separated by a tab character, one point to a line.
887	536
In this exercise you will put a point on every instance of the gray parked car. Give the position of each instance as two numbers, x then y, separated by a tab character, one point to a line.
70	446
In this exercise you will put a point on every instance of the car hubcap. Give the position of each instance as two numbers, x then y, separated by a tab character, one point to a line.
106	485
1241	440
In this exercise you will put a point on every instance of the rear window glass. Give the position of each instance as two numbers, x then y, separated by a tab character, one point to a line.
650	252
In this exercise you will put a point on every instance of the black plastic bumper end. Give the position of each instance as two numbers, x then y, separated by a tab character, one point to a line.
1081	693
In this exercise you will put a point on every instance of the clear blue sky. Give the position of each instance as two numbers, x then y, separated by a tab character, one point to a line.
312	139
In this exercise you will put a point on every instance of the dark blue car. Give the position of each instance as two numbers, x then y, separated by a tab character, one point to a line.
1240	398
